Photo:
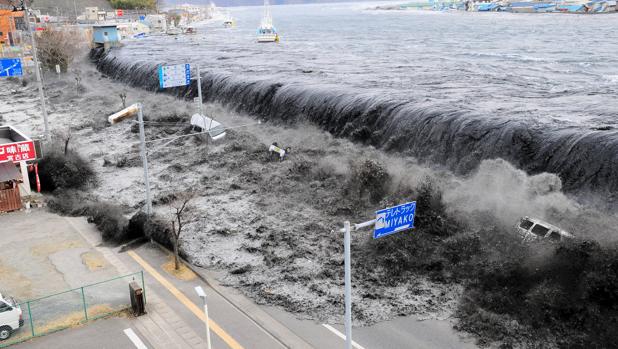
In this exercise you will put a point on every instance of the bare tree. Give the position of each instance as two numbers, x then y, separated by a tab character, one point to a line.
123	97
178	222
67	139
59	47
78	80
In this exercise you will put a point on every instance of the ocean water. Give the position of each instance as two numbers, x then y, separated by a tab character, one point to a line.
547	68
539	90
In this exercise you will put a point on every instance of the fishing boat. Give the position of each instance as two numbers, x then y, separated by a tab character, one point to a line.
229	21
267	32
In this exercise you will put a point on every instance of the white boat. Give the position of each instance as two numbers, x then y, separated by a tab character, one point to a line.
229	21
267	32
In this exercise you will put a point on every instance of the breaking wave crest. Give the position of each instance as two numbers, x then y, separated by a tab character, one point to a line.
586	160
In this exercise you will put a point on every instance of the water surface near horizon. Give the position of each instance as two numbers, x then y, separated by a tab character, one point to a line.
546	69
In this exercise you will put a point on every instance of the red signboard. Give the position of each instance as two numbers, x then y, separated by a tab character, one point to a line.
119	13
19	151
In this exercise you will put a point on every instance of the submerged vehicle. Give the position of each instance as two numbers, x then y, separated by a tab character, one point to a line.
11	318
267	32
531	229
204	123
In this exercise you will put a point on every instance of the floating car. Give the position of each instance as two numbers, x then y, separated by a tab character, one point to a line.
531	229
215	130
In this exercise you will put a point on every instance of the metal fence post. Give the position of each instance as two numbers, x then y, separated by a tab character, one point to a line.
143	286
30	316
84	303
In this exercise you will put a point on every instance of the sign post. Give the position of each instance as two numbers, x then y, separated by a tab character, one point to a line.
199	91
388	221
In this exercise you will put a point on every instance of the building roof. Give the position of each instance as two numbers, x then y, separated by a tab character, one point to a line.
105	26
9	172
9	134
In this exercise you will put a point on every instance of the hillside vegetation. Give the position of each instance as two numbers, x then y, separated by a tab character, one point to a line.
134	4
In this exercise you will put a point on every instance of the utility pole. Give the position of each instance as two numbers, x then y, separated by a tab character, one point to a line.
142	139
348	285
75	7
37	69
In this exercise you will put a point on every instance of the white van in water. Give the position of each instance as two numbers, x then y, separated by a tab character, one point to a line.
10	317
215	130
531	229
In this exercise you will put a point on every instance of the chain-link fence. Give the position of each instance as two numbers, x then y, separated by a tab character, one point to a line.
74	307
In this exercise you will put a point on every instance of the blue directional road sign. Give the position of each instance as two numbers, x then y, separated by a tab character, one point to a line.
394	219
174	75
10	67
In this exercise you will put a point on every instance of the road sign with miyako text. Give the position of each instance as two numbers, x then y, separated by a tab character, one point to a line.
174	75
394	219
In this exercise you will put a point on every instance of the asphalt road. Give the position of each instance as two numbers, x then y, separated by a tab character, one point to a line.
103	334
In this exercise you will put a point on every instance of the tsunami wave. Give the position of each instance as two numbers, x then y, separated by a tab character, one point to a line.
586	160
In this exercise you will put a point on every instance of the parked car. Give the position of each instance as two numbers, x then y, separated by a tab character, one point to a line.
531	229
10	317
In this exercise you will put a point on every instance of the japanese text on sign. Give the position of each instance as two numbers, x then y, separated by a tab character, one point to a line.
394	219
174	75
20	151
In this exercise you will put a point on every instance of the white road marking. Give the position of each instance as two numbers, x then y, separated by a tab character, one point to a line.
342	336
135	339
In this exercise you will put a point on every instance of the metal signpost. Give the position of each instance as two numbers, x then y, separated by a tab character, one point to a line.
388	221
10	67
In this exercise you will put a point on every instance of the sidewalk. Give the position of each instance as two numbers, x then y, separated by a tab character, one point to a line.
161	325
175	317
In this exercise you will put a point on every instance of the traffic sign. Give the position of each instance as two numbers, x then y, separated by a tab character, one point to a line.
174	75
394	219
10	67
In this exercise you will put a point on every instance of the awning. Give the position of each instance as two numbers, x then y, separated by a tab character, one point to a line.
9	172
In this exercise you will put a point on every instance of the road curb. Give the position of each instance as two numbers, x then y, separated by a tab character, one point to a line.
258	316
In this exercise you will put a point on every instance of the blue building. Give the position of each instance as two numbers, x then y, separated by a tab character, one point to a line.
105	35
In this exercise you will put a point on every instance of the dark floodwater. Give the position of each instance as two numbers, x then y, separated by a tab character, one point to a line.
452	87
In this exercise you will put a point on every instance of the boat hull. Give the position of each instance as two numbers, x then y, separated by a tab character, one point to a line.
268	38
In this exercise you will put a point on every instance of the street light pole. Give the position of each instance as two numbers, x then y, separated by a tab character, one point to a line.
348	285
38	71
123	115
202	294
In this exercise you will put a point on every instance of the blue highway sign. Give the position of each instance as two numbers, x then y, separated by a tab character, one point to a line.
10	67
174	75
394	219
